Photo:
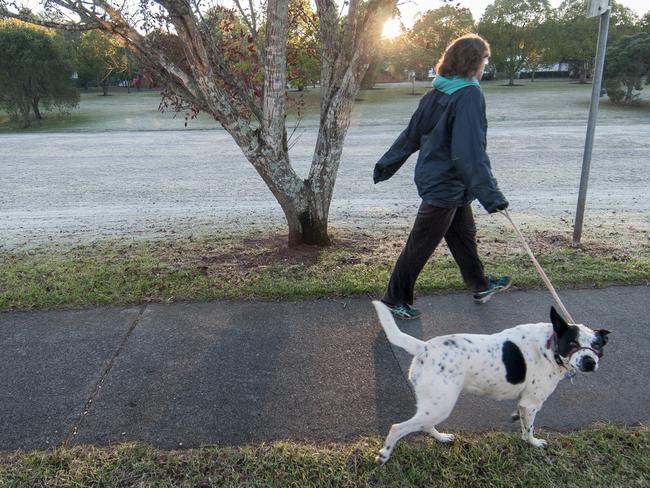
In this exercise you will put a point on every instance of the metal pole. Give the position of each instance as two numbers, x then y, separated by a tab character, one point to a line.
591	125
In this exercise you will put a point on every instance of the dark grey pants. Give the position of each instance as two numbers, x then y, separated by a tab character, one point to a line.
457	226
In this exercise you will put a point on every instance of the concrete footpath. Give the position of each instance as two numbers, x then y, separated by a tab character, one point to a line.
232	372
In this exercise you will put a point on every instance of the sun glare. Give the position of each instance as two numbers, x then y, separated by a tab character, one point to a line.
392	28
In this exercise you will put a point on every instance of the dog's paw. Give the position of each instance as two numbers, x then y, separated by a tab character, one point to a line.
445	438
381	459
537	442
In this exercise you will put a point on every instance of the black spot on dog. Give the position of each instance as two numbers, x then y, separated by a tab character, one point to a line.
600	340
514	362
568	340
468	340
450	342
566	335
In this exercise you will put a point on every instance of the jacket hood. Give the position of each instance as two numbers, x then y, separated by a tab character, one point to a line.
453	84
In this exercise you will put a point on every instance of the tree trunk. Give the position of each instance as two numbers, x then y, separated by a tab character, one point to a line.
25	114
511	82
307	223
22	111
305	207
583	74
105	88
370	77
37	112
629	89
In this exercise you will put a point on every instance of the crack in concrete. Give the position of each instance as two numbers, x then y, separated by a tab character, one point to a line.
102	378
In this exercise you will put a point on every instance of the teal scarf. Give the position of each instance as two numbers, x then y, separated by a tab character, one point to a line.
453	84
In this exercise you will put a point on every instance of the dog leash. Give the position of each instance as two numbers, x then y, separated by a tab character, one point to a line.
541	272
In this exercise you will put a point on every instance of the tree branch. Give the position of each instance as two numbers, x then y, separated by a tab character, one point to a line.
250	23
275	68
78	27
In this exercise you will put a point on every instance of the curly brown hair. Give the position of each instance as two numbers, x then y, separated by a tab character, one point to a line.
464	56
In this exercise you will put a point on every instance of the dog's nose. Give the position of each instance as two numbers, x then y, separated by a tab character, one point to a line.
588	364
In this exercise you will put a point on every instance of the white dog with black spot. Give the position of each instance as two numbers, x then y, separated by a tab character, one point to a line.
525	362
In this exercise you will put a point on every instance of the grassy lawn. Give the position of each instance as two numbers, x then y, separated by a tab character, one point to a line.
602	456
121	111
262	266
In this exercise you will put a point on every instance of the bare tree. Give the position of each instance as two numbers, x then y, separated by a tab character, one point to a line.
203	78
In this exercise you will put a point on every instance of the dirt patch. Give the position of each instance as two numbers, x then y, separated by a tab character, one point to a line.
243	255
248	253
545	242
352	249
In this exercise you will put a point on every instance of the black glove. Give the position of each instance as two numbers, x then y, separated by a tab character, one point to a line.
378	174
499	207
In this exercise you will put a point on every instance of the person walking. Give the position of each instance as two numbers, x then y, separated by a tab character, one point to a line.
449	129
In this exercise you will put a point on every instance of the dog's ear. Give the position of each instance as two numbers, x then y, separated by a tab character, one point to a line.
559	324
603	334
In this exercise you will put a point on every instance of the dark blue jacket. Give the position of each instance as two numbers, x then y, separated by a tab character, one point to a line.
453	168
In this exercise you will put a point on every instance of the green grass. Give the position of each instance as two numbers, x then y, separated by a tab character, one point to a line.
602	456
247	266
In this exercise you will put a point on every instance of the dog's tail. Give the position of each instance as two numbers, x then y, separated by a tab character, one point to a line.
395	336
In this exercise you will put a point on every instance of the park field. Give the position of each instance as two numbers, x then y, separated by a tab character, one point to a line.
138	111
119	203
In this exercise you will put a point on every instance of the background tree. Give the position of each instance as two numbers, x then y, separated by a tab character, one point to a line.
303	48
100	59
35	72
644	22
512	29
628	62
204	80
541	44
374	68
378	61
433	31
578	35
397	56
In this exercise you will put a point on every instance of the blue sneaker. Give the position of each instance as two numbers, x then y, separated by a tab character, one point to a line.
495	285
403	311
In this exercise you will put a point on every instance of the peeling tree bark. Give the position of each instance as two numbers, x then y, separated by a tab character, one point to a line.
207	82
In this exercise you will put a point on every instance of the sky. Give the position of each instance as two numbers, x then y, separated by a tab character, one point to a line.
410	8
